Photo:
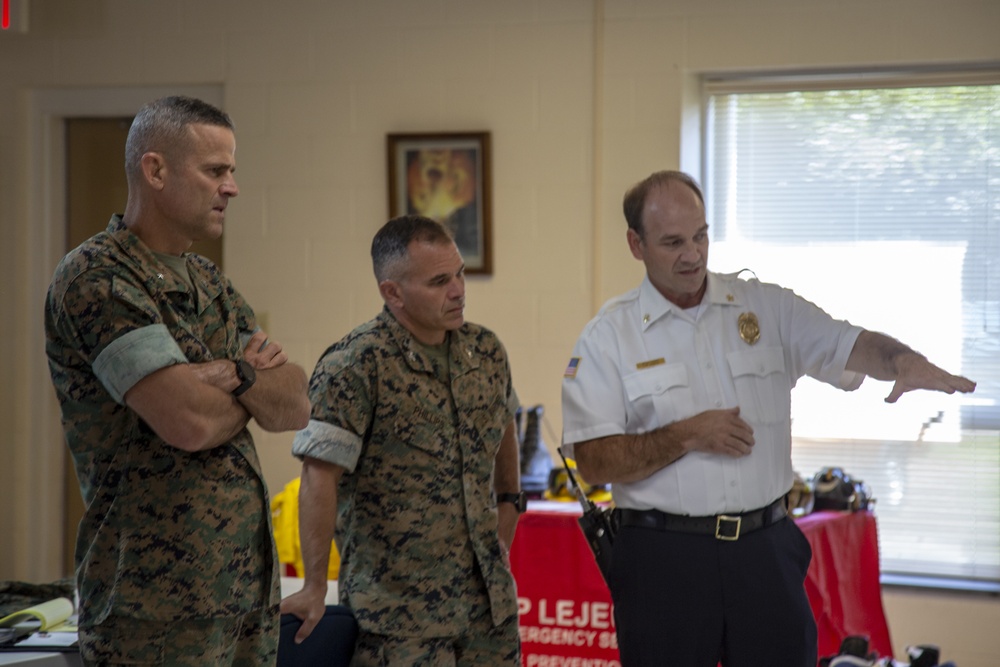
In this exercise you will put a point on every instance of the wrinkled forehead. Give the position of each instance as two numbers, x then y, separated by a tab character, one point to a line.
673	205
431	260
208	143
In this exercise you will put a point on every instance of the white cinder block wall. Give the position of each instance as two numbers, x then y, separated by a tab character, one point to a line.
582	99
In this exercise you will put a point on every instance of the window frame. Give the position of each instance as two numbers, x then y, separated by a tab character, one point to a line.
853	79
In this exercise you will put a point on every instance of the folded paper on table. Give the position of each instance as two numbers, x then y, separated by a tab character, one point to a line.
47	626
53	615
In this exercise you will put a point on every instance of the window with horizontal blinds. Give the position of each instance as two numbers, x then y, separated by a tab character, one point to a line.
879	199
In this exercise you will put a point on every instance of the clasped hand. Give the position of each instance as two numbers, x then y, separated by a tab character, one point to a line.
262	353
717	432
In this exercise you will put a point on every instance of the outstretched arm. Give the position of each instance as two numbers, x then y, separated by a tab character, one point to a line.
885	358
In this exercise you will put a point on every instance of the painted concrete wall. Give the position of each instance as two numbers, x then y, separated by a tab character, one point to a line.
582	99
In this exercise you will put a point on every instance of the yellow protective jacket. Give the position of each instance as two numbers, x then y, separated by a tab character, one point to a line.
285	517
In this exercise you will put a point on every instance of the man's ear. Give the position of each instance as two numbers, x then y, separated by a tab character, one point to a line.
634	243
154	167
391	294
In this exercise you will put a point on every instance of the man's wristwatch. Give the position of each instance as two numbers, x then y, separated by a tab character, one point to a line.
519	500
247	376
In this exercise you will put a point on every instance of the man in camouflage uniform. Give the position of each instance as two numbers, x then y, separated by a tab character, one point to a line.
158	365
412	440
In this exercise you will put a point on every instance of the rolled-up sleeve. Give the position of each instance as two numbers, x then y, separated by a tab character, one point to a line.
133	356
328	443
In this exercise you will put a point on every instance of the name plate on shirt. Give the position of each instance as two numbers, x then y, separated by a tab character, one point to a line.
649	364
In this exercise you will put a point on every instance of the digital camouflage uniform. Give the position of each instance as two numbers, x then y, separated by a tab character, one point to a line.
417	518
166	534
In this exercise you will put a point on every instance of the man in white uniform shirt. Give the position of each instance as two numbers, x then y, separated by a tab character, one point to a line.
678	394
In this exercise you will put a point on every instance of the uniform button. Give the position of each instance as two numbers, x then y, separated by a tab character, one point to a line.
718	404
761	368
659	387
708	366
732	484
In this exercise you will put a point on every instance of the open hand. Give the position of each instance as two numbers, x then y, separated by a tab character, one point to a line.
915	372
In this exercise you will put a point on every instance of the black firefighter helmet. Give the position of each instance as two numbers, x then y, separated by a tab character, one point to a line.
834	489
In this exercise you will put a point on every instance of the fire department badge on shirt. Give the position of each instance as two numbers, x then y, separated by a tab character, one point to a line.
749	328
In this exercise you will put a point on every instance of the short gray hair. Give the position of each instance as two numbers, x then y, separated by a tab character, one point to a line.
391	243
161	126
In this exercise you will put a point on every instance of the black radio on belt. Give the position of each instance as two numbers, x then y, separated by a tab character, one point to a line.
595	523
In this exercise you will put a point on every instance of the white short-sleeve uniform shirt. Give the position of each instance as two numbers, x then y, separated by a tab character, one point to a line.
643	363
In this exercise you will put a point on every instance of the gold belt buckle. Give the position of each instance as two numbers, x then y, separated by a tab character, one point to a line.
718	527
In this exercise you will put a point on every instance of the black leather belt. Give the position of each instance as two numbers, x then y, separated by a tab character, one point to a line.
728	527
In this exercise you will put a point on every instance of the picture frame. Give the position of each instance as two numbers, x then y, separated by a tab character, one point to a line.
446	176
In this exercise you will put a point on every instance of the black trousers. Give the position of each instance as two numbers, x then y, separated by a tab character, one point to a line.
693	601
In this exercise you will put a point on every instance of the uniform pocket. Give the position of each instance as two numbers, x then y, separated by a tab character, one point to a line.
132	303
659	395
425	431
762	386
489	423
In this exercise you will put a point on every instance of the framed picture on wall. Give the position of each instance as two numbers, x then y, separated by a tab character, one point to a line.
446	176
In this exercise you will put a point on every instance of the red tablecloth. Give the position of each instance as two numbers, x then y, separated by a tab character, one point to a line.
843	579
566	609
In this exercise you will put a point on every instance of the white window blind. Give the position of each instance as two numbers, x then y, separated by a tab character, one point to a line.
879	200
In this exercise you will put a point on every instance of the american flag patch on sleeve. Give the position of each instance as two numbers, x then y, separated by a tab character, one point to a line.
574	363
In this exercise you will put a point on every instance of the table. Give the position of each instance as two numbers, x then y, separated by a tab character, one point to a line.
843	579
289	585
41	659
566	610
